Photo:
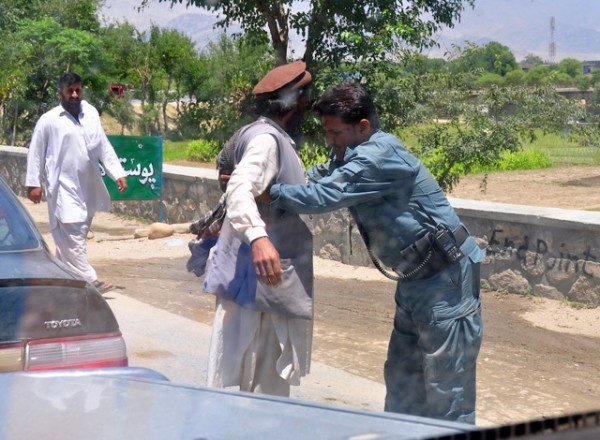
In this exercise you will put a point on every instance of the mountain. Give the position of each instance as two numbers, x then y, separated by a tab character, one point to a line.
525	27
522	25
194	22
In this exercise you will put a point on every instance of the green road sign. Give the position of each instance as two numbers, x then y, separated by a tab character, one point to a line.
142	158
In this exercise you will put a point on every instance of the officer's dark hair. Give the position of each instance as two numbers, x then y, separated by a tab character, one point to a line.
68	79
350	102
277	104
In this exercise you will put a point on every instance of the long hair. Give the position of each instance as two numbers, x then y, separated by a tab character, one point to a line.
279	103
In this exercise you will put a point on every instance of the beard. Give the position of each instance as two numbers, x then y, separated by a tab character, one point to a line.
72	106
293	129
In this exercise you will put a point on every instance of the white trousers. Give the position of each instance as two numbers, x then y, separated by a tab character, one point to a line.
257	351
70	240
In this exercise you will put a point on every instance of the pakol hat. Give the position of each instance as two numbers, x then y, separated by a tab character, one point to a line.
291	76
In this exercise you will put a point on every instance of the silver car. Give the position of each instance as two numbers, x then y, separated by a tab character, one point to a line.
49	317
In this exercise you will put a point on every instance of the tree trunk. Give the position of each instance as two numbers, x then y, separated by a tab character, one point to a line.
318	20
13	136
278	29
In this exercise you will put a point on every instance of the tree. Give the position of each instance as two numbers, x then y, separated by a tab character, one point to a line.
38	53
571	67
334	30
219	84
39	40
532	60
175	53
74	14
493	58
121	109
537	75
500	119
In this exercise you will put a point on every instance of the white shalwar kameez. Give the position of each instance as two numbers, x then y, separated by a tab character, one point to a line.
246	343
64	158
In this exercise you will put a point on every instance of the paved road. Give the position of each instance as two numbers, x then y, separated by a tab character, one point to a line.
165	318
524	372
178	346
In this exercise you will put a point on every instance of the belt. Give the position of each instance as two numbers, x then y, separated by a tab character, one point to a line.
425	264
460	235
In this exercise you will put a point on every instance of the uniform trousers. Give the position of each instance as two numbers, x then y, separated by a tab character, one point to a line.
432	354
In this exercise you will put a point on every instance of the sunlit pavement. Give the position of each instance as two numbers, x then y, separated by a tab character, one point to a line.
178	348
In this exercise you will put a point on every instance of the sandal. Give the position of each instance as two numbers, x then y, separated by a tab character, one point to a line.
103	287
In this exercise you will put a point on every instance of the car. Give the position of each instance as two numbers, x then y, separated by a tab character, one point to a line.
139	403
49	317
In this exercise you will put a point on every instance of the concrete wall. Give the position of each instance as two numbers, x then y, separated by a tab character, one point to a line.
530	250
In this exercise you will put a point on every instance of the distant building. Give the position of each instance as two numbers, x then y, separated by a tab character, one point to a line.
590	66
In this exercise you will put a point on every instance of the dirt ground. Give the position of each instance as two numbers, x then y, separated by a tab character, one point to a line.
566	187
539	357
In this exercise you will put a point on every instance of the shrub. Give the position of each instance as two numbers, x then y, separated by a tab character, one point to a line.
519	160
313	154
202	150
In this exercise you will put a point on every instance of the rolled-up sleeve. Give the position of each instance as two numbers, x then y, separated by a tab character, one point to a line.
348	185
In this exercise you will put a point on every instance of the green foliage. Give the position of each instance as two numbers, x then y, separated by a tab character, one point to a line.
514	77
477	110
571	67
533	60
121	109
518	160
537	75
223	80
175	150
149	120
491	79
499	120
202	150
313	154
493	58
337	30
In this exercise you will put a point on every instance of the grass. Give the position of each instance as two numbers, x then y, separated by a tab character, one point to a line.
564	151
175	150
548	150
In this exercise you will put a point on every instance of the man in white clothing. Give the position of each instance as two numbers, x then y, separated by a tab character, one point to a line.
66	149
260	345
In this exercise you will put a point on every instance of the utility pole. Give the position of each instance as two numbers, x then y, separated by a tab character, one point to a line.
552	44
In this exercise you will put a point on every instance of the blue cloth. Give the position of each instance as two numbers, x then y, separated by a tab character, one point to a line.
430	368
200	250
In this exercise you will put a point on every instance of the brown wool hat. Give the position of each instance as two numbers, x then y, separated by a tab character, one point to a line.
293	75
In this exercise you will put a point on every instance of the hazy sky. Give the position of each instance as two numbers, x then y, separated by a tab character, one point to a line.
522	25
157	13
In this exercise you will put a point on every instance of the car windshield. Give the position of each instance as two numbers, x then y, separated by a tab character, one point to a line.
16	233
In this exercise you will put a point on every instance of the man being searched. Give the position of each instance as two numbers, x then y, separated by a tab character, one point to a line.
407	224
67	147
261	268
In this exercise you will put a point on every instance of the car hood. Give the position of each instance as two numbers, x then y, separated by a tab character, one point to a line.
110	404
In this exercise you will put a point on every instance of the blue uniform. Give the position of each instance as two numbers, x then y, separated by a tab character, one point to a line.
431	362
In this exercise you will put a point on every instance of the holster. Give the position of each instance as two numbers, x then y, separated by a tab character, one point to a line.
423	259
